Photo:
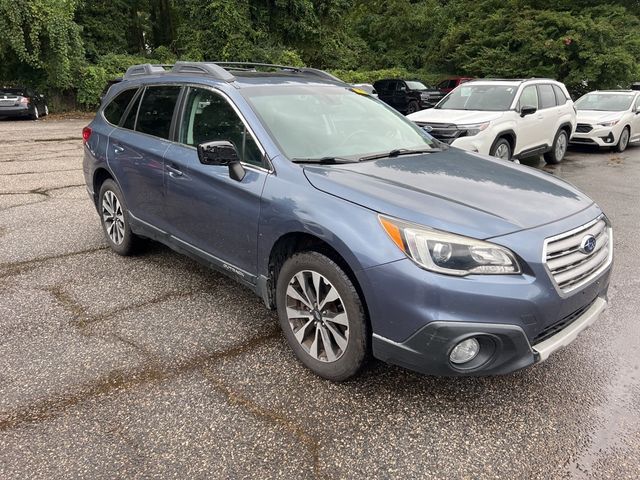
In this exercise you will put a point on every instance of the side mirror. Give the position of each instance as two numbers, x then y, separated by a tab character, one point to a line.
527	110
222	153
41	95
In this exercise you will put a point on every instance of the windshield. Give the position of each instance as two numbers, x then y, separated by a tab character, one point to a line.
493	98
316	122
605	102
416	85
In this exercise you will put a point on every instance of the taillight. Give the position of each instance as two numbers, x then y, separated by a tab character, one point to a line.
25	100
86	133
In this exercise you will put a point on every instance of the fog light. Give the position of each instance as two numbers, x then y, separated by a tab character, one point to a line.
465	351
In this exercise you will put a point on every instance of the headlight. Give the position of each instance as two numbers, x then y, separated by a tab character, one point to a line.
444	252
474	129
609	124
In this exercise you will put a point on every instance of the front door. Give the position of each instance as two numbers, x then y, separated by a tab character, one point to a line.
208	211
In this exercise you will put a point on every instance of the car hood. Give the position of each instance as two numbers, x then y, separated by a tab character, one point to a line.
453	190
597	116
459	117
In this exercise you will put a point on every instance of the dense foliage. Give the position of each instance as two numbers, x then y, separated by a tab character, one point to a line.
75	46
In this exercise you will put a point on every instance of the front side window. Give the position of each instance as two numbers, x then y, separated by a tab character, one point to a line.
113	112
208	117
547	97
529	97
494	98
310	122
156	110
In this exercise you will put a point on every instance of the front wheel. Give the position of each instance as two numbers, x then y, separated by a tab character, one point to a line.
623	143
501	149
558	149
322	316
413	107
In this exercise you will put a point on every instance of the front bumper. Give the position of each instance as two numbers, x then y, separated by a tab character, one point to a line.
599	136
504	348
476	143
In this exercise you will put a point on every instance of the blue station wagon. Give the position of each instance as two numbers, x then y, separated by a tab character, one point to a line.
368	236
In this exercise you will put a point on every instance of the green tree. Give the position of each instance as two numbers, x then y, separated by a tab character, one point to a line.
40	42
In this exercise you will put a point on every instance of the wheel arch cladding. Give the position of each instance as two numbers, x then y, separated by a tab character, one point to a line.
509	136
99	177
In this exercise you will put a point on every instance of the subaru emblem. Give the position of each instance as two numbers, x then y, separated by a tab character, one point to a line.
588	244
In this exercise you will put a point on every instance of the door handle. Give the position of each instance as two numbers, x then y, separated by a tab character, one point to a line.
118	149
174	172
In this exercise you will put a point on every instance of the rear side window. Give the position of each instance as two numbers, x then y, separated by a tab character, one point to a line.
156	110
561	98
113	112
547	97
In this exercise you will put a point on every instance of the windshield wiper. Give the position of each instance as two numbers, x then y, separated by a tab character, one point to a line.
397	152
323	160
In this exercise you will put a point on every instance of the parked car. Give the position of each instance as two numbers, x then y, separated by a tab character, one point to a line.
608	119
635	86
508	119
367	87
363	232
22	102
407	96
448	84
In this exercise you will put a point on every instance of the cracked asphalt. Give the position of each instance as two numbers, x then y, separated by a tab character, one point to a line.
155	367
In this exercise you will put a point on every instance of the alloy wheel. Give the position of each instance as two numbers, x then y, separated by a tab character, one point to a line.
624	139
113	217
317	316
561	146
503	151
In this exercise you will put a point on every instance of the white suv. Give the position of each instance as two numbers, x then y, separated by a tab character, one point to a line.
509	119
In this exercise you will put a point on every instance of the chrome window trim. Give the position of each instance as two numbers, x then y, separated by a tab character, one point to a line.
251	166
593	275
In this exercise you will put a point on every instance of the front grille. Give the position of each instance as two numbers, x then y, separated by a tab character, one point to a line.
569	266
583	128
551	330
444	132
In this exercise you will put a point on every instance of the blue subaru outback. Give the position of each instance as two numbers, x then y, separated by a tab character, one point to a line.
368	236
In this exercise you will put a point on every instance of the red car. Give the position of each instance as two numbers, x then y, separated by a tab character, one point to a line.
448	84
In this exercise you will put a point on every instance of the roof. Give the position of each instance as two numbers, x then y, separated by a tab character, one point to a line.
237	73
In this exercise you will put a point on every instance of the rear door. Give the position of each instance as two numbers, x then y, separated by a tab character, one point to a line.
136	149
209	212
549	112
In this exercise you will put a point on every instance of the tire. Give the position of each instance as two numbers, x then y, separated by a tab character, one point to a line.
413	107
46	110
558	149
118	234
341	320
623	142
501	149
35	115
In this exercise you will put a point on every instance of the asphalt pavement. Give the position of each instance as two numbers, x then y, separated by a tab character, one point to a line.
155	367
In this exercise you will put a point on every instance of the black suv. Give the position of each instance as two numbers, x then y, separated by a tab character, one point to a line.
22	102
407	96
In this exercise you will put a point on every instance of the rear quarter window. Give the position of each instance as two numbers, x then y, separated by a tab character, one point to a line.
561	98
114	110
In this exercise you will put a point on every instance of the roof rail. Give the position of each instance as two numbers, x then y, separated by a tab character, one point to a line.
204	68
144	69
219	70
252	66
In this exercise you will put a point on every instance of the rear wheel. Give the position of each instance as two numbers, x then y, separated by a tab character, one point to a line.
46	110
623	143
558	149
35	115
322	316
114	217
501	149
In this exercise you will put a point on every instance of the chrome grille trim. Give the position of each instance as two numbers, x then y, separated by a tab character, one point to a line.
567	265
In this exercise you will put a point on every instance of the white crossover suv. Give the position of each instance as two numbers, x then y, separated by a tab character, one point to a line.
509	119
608	119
